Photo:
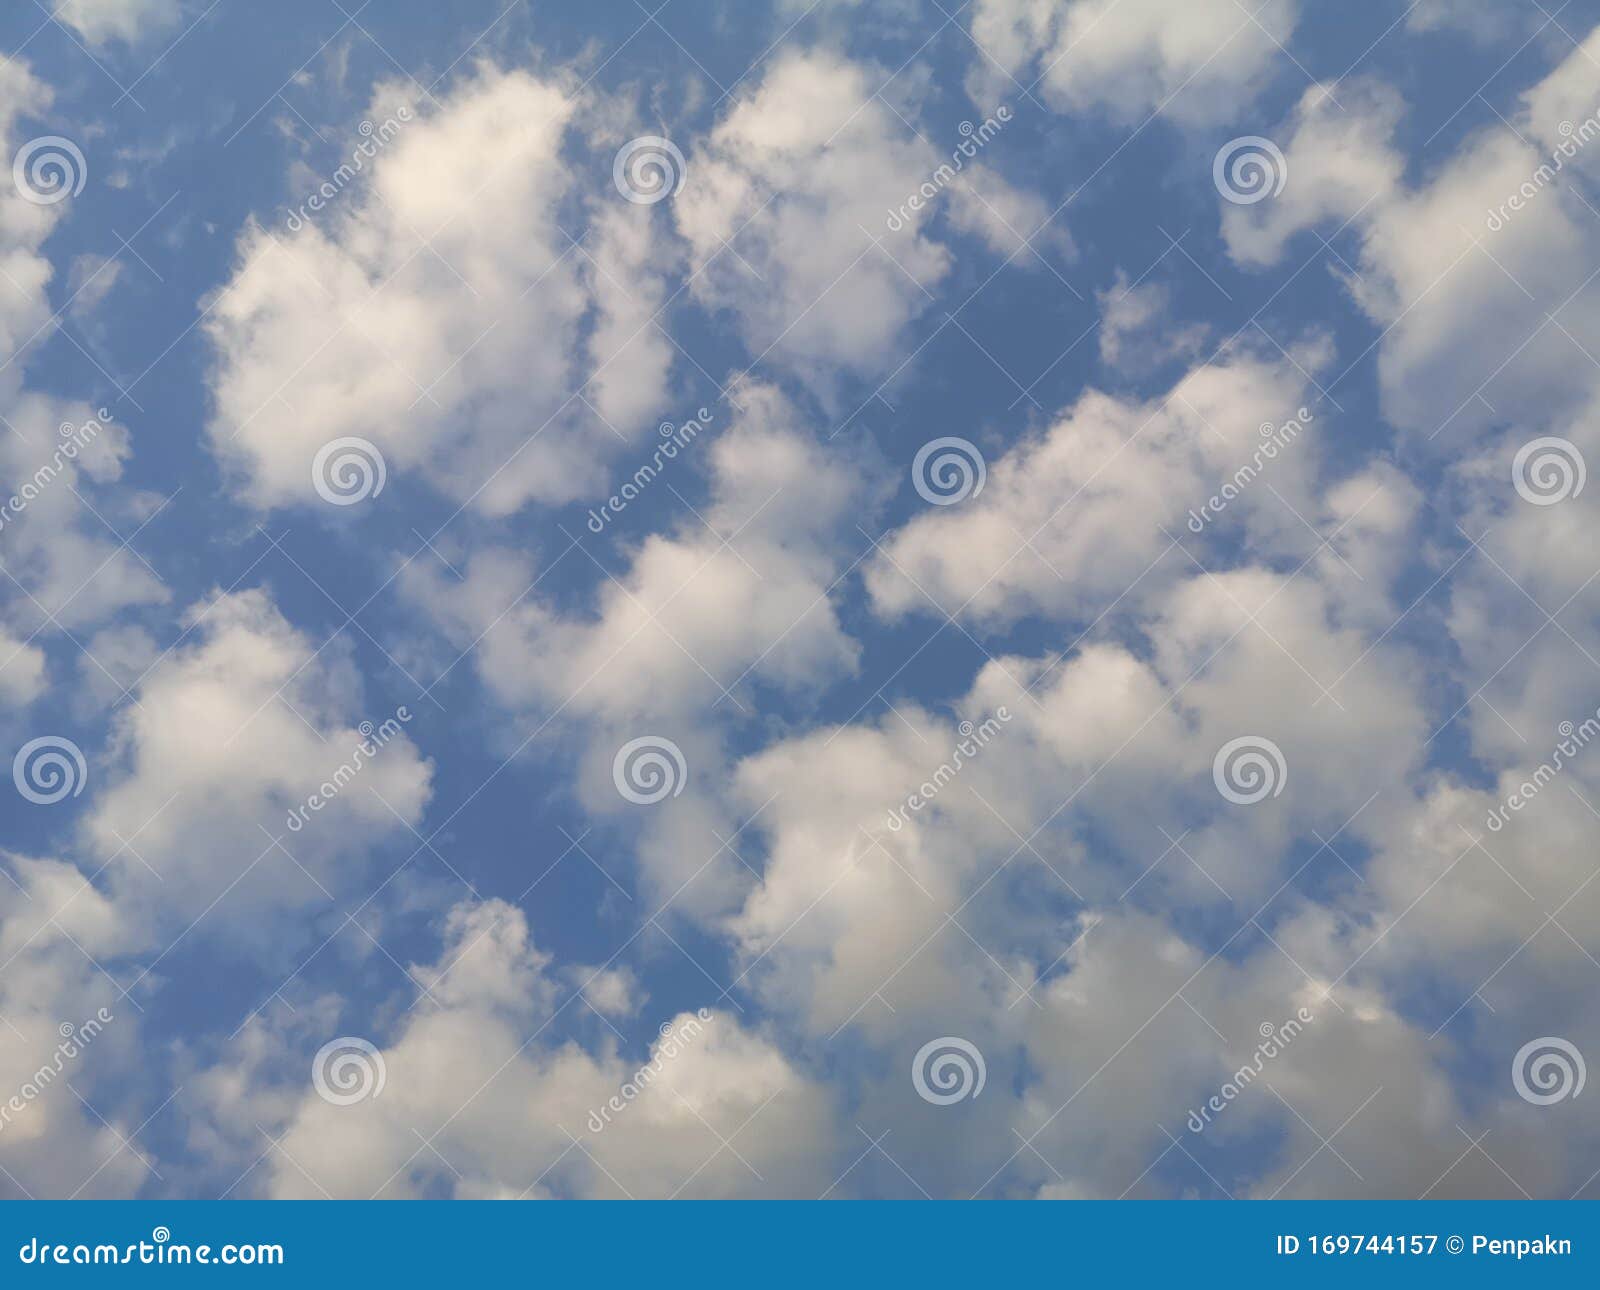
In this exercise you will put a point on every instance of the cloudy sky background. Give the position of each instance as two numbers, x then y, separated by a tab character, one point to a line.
1396	603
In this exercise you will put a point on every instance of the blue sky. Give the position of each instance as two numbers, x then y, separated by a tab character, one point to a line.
1392	614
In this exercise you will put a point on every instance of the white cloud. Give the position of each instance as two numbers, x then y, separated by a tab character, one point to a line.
1012	221
1069	519
780	209
21	670
1200	62
1485	20
100	21
437	307
613	992
660	641
1136	332
1481	249
55	930
278	723
66	562
1339	166
508	1110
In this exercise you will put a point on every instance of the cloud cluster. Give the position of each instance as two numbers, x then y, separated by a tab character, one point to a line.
479	1101
972	779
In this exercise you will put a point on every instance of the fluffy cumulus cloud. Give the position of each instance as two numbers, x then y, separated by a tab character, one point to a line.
771	539
1493	232
68	1030
507	1112
786	217
179	850
1200	62
1214	785
427	296
294	785
68	565
1070	518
